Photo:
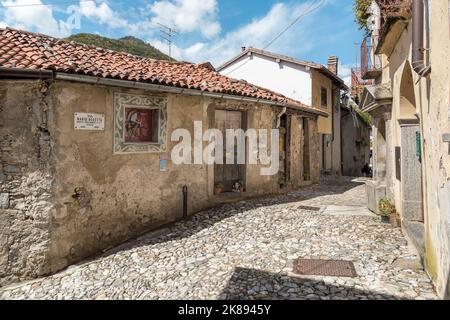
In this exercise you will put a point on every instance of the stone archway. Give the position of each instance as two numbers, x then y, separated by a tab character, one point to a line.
407	109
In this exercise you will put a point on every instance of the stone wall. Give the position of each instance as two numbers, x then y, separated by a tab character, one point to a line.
436	119
66	196
431	103
355	150
26	168
336	167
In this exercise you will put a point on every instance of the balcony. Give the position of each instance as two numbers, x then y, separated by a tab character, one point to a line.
358	84
371	66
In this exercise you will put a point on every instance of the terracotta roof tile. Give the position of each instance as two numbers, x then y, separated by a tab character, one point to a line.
21	49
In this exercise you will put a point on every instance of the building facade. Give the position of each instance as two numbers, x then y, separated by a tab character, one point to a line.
311	83
356	144
409	101
85	159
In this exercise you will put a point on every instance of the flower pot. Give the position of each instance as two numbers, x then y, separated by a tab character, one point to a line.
394	220
385	219
218	190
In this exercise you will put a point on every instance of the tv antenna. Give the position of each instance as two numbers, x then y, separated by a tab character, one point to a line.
167	33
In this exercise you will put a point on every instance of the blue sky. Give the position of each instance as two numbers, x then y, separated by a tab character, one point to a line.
209	30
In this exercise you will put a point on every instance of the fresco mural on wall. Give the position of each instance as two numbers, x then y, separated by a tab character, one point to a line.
138	127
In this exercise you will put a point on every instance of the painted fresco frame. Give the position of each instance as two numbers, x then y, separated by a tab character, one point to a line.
147	102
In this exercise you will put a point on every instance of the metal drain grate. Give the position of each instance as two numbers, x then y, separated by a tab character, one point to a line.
309	208
332	268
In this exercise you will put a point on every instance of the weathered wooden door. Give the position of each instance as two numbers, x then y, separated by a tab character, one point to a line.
228	174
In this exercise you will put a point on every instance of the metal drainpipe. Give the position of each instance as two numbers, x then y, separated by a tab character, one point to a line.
185	202
418	60
279	117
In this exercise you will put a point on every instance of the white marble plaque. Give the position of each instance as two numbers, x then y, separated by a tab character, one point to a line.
89	121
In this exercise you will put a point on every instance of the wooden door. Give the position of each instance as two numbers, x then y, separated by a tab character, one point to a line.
228	174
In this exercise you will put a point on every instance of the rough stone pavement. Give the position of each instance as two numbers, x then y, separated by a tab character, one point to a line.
246	251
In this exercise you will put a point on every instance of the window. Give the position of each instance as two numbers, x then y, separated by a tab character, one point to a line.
324	97
140	123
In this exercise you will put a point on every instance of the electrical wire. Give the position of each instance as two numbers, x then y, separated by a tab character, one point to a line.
44	4
308	11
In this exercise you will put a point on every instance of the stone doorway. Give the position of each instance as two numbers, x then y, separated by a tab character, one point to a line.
228	174
410	165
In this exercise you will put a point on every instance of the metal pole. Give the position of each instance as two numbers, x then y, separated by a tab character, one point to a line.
185	202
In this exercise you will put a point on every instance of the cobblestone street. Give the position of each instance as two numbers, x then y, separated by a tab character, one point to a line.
246	251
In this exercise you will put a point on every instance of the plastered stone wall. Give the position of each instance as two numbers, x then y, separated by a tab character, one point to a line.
315	150
66	196
336	138
26	169
437	152
355	154
318	81
432	107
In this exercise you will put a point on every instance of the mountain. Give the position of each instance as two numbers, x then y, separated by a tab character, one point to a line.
128	44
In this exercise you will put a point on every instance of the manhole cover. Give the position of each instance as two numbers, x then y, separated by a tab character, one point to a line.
332	268
309	208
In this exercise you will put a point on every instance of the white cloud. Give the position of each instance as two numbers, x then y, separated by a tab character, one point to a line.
33	18
102	13
257	33
188	15
345	72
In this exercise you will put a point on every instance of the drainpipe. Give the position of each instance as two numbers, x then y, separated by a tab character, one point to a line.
25	73
185	202
418	60
279	117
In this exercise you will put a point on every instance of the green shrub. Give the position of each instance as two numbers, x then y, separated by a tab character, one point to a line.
387	207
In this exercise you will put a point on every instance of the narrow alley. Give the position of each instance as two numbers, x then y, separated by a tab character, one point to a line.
247	251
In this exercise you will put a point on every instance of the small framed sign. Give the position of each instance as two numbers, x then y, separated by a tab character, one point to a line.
89	121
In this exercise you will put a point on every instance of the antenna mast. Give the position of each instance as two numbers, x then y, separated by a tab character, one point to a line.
167	33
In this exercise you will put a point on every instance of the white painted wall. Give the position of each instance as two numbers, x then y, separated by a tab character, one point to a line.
289	79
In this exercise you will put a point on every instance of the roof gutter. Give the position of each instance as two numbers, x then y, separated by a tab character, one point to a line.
25	73
418	60
175	90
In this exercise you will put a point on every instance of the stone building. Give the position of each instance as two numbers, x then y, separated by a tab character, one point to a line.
407	57
311	83
85	147
355	133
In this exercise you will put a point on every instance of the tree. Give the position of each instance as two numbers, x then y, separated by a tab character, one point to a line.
360	8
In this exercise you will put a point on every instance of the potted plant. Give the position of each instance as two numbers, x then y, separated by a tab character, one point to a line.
241	186
218	188
388	211
283	183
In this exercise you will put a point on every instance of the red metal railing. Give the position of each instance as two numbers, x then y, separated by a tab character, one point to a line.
369	60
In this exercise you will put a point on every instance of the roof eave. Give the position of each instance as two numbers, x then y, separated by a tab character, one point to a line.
177	90
25	73
335	78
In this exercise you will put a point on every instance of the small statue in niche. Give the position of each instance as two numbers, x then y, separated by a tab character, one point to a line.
238	186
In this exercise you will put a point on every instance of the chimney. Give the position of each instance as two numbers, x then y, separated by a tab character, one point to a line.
333	62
